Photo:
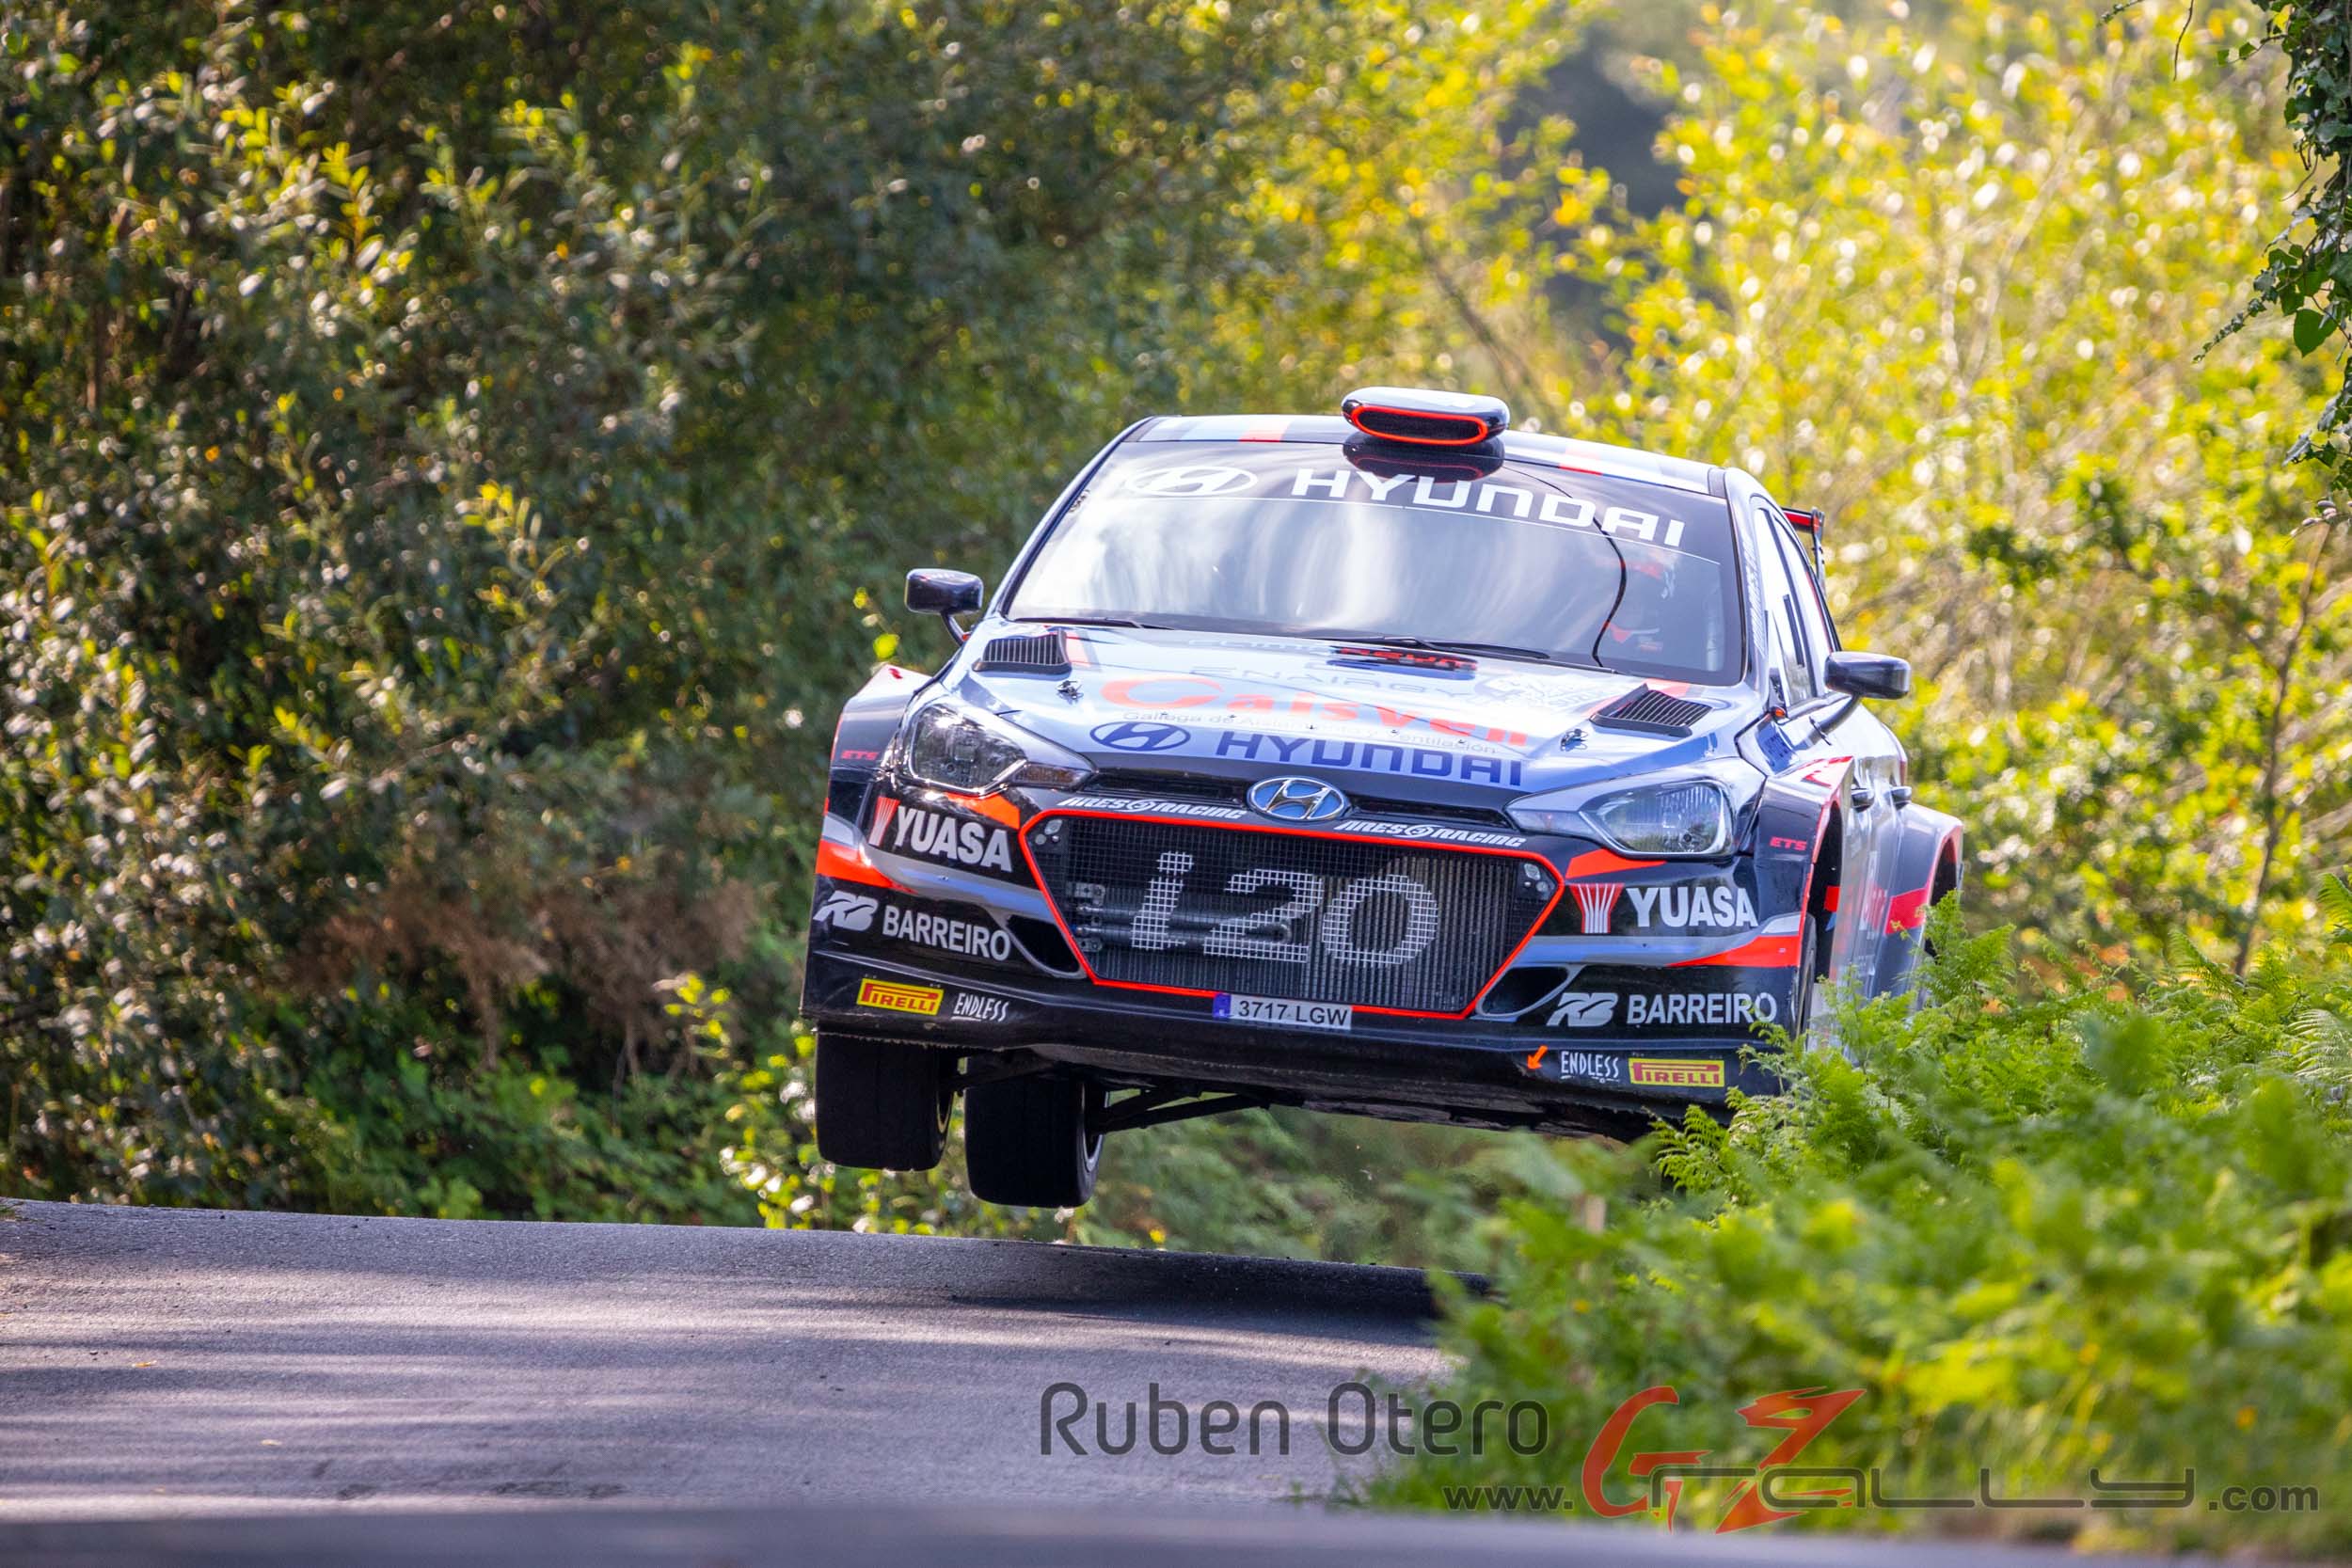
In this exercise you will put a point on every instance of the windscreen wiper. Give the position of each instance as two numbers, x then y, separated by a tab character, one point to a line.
1089	621
1448	645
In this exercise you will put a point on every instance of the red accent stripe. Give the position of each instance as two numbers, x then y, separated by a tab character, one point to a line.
1264	430
848	865
1829	900
1762	953
1908	911
1071	937
1595	863
994	807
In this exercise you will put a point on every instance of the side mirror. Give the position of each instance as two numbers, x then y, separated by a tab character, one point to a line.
936	591
1869	675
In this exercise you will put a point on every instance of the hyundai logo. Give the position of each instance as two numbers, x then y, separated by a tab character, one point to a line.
1296	799
1141	734
1190	480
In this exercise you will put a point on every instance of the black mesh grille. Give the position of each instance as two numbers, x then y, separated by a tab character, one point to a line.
1166	903
1652	711
1040	654
1419	427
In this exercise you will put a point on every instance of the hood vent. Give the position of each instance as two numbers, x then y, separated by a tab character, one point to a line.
1650	711
1039	655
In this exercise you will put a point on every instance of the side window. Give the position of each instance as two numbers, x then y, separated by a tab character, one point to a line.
1780	617
1812	615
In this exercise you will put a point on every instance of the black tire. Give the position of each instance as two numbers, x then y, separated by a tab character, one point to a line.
1811	965
1025	1141
881	1105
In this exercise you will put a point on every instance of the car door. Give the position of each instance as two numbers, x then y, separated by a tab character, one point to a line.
1828	725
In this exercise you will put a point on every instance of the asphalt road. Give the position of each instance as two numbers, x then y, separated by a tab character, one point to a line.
161	1362
233	1390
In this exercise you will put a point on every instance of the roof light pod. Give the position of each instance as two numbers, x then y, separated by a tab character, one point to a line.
1425	419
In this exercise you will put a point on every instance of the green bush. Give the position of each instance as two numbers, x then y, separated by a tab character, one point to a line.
2103	1228
453	462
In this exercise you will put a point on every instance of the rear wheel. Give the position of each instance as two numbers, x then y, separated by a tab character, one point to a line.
882	1105
1814	1019
1027	1143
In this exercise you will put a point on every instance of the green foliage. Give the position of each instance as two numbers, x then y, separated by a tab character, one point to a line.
2100	1227
2307	275
455	463
1947	272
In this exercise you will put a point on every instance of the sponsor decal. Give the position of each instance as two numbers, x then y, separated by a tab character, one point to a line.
1598	1065
1141	734
1142	807
1429	831
1787	842
1690	906
935	835
1275	1009
1715	1007
1296	799
982	1009
1462	495
1595	900
969	938
851	753
846	912
1194	692
1583	1010
1287	933
1433	833
893	996
1418	762
1676	1072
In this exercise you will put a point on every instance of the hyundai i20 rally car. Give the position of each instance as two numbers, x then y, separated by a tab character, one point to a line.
1397	763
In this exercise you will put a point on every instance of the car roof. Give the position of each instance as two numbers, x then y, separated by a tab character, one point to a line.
1518	446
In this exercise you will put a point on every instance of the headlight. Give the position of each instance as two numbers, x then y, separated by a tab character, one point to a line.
1685	817
949	746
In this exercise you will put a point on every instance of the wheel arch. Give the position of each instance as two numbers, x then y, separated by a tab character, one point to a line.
1926	867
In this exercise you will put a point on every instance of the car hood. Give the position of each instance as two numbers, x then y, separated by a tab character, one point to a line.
1381	723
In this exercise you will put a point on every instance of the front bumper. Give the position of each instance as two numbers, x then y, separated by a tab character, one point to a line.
934	923
1474	1073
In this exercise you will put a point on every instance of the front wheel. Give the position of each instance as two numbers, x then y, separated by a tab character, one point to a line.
1026	1141
882	1105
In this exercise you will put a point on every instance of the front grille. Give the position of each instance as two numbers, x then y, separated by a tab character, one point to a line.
1160	902
1652	712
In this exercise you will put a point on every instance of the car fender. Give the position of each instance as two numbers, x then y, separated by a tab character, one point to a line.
1793	822
860	740
1927	862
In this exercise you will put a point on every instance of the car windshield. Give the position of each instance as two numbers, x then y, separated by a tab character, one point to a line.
1296	540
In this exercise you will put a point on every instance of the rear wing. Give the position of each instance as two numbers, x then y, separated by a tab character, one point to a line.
1811	521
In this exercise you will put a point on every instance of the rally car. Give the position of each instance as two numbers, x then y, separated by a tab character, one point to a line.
1397	763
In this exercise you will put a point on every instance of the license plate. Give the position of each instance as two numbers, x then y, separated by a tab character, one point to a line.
1277	1009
